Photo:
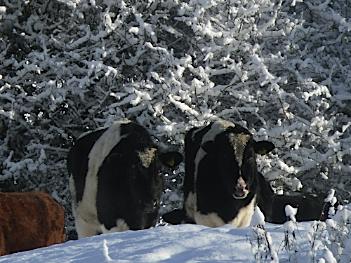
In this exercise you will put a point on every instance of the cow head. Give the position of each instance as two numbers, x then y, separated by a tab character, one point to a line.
146	181
233	153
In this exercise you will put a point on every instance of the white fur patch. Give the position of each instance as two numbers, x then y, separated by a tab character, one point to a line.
88	132
84	228
243	218
216	128
190	205
210	220
147	156
239	141
87	229
199	156
110	138
73	191
121	226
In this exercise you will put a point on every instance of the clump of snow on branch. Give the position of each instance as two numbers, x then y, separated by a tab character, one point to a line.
280	68
290	226
258	218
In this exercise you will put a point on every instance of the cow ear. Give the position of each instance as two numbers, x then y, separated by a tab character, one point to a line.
171	159
263	147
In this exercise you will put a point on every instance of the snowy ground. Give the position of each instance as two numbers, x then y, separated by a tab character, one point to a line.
291	242
181	243
280	68
322	242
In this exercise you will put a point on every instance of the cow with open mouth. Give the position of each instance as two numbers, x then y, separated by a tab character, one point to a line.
221	179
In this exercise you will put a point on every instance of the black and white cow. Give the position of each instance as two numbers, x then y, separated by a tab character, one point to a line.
221	179
309	207
114	179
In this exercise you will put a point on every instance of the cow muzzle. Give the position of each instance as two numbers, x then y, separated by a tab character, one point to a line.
241	189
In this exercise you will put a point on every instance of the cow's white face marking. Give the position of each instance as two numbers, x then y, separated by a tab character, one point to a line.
147	156
239	142
102	147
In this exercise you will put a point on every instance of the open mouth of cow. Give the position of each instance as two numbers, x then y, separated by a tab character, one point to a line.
241	189
240	193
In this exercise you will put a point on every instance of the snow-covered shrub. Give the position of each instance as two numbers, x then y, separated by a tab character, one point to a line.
280	68
330	240
290	243
339	230
261	241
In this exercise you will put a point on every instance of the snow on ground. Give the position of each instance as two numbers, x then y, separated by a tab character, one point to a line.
180	243
322	242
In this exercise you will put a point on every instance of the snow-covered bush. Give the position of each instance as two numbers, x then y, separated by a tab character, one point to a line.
331	239
280	68
260	240
290	243
326	241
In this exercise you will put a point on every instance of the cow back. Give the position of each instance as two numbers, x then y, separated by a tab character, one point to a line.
309	207
29	220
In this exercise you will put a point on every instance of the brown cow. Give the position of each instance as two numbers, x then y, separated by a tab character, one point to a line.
29	220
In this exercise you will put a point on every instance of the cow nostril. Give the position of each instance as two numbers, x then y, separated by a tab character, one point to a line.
241	184
241	189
